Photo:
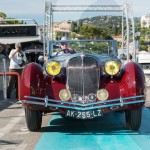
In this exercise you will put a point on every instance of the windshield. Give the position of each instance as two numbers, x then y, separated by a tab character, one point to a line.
86	46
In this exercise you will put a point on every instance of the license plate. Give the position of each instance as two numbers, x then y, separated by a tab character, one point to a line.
84	114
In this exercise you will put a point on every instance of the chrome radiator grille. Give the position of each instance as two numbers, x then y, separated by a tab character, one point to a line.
83	76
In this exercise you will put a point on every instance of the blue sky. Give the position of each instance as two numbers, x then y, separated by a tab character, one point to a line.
34	9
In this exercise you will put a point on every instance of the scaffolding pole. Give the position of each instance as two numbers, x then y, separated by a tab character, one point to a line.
4	76
128	31
46	29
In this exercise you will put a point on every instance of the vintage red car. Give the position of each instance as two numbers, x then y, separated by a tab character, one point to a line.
83	85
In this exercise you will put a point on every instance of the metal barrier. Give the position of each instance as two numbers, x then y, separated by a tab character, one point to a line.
4	76
4	73
12	74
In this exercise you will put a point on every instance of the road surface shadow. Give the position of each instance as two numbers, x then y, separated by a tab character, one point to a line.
108	124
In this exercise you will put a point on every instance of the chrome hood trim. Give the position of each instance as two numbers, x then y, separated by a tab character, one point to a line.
83	76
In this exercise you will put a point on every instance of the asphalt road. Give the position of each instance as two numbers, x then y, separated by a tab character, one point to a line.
57	134
14	134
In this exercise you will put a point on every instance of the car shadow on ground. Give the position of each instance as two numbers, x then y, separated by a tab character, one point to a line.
110	124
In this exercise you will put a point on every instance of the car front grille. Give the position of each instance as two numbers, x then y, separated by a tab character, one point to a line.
83	77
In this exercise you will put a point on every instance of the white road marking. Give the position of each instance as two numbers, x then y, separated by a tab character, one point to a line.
11	124
24	129
22	133
14	147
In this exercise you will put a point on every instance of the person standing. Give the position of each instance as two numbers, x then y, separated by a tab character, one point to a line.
17	61
129	59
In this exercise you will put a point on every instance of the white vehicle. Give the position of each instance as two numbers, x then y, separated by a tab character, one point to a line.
144	61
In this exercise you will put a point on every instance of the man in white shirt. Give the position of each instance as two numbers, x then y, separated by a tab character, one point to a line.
17	61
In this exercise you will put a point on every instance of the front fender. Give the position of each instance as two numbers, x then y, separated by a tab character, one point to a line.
32	82
132	82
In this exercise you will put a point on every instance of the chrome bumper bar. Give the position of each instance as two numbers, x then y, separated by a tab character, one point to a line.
89	106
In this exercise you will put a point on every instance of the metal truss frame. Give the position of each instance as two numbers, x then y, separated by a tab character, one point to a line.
128	36
128	30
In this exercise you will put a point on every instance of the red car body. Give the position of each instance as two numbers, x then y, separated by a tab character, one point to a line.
40	92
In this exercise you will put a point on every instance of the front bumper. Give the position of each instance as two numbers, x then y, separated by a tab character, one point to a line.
118	102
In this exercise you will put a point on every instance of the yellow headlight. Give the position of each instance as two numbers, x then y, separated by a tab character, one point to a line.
64	95
102	94
112	67
53	68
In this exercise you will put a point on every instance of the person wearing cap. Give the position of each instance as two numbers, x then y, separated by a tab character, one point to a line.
17	61
65	47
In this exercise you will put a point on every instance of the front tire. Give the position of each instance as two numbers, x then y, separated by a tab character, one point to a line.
133	119
33	119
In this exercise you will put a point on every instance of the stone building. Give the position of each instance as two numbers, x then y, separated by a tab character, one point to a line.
61	29
145	21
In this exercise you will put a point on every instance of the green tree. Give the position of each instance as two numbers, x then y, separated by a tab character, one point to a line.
74	26
58	35
143	48
79	25
3	15
94	32
12	20
72	35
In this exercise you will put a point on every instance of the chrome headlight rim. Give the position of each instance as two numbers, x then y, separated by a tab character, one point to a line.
115	67
48	64
100	91
92	99
65	91
73	97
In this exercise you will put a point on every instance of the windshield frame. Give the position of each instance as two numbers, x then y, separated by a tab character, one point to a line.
57	42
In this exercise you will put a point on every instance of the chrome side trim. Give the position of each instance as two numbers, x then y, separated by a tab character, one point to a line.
46	101
79	106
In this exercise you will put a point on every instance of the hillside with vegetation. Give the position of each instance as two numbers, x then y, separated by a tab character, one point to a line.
113	24
100	27
104	27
